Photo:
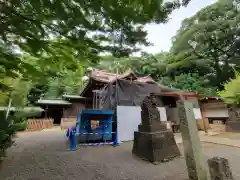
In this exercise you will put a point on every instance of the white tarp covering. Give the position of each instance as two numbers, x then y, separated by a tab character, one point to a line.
129	117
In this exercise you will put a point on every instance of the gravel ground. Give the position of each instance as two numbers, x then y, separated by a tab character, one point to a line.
44	156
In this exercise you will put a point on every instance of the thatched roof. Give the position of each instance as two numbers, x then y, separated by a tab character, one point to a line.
100	78
145	79
106	77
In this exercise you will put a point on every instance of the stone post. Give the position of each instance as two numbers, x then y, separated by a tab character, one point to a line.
219	169
191	142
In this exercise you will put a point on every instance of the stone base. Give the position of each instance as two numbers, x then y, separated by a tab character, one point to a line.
155	147
233	126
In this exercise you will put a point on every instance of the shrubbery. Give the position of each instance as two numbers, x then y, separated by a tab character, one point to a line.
20	126
7	132
231	92
15	122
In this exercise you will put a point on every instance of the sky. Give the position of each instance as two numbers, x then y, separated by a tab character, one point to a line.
160	35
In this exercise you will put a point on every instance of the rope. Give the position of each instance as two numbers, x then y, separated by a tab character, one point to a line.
96	144
97	133
102	121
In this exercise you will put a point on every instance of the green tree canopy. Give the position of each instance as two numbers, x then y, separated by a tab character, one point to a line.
70	82
88	27
146	64
62	34
231	91
208	43
190	83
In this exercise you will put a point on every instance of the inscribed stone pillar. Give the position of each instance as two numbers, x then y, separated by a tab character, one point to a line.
191	142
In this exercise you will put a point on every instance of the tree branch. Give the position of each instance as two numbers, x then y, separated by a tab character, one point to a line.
198	55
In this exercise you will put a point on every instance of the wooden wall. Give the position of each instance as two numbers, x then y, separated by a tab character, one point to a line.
213	105
73	110
70	114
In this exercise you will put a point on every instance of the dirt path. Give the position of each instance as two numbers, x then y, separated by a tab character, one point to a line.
43	156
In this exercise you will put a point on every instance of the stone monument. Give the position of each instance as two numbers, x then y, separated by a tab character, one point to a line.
153	141
233	124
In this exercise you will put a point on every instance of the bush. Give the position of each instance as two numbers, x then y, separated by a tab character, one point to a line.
20	117
6	133
27	112
20	126
15	122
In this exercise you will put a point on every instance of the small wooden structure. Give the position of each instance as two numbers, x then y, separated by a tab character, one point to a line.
70	113
63	111
215	112
53	108
214	109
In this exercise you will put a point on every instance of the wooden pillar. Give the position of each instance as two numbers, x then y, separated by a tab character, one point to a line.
205	125
191	141
46	112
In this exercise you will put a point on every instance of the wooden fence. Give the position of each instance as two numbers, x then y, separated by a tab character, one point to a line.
39	124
